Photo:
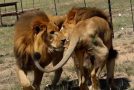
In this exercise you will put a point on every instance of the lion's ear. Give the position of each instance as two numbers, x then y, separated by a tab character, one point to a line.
71	14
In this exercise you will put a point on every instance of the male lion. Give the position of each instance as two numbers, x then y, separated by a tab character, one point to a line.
33	32
80	14
81	41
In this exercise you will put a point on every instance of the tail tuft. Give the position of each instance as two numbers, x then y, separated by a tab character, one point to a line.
112	54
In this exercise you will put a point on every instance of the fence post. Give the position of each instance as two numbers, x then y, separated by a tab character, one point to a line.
110	13
85	3
33	3
55	7
5	7
132	13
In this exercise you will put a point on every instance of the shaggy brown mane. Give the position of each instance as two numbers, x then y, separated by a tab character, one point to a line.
33	17
82	13
24	37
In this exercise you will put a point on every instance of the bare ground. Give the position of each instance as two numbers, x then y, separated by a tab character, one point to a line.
123	42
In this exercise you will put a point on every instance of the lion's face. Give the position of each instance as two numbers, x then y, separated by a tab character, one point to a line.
61	38
42	37
67	27
58	40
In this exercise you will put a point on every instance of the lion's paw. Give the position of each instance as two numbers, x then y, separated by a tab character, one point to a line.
29	88
25	83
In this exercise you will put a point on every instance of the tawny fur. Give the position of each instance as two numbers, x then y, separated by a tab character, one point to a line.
82	36
81	14
33	32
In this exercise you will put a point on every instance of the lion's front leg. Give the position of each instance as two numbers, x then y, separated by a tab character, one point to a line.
77	68
95	80
57	76
81	78
37	79
24	81
57	73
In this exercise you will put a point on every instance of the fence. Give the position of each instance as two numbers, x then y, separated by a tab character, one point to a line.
121	9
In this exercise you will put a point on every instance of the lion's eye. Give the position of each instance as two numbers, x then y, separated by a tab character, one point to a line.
52	32
37	29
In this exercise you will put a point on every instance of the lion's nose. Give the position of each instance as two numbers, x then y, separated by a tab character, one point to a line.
37	56
63	41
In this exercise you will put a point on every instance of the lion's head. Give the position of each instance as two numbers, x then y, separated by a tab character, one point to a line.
75	15
33	33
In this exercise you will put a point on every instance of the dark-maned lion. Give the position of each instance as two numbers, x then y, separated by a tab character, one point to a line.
81	14
33	32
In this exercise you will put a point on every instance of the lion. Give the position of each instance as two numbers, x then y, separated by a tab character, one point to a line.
33	32
81	40
75	16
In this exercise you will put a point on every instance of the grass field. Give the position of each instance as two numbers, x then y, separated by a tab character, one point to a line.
123	41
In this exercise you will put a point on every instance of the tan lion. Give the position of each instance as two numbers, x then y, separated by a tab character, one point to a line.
81	41
33	32
80	14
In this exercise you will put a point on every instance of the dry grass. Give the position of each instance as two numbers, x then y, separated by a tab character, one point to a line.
123	42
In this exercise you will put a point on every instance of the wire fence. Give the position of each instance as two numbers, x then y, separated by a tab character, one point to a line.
122	10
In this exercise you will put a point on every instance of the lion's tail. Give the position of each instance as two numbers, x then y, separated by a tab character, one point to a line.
112	54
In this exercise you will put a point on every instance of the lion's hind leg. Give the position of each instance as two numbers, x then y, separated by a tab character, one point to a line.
95	80
110	65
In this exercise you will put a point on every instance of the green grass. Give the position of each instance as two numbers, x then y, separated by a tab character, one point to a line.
1	61
126	67
16	87
6	39
122	21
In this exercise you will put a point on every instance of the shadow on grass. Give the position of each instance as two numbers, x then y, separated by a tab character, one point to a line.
121	83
